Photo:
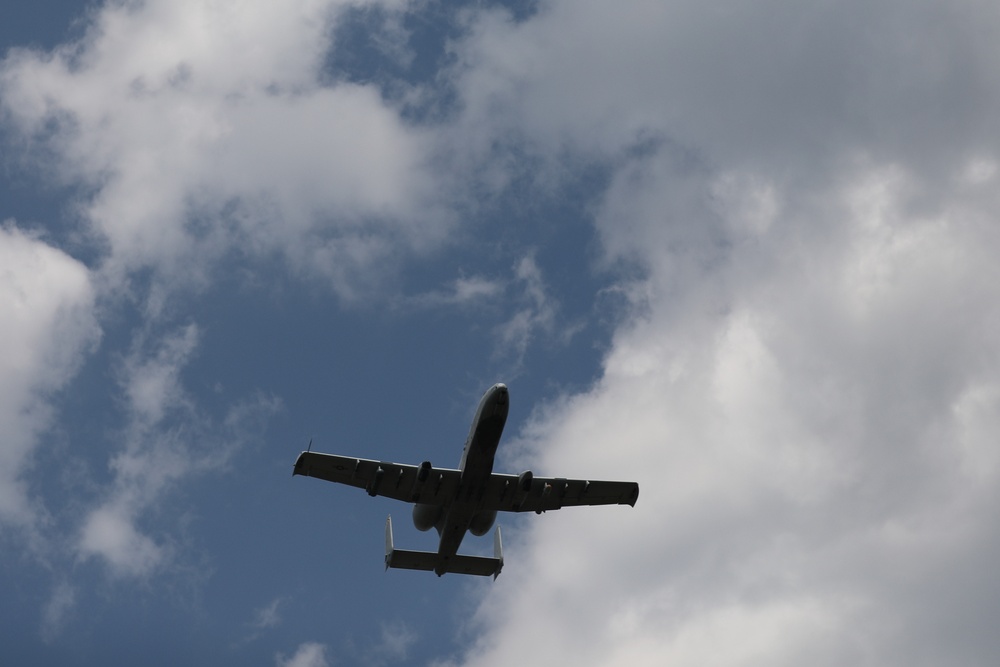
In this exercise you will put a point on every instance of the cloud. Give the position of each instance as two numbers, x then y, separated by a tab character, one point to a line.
154	457
537	312
151	384
166	440
801	199
109	532
309	654
268	616
47	299
189	156
59	606
808	373
794	450
463	291
524	302
715	80
393	646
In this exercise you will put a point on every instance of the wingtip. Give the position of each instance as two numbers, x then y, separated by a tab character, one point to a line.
296	469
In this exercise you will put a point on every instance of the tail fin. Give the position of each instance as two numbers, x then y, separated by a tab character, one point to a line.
388	541
497	553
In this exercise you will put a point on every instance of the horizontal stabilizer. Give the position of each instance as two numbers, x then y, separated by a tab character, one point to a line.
431	561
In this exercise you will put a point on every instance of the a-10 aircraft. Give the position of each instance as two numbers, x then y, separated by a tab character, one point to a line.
467	499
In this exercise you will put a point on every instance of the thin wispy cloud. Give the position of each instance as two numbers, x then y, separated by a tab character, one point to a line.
536	316
310	654
167	440
57	610
464	291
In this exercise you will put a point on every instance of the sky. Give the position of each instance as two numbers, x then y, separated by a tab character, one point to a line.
741	252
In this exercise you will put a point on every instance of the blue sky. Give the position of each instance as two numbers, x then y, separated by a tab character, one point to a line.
743	254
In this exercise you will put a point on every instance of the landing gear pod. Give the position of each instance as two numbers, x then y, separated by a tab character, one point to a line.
426	517
482	522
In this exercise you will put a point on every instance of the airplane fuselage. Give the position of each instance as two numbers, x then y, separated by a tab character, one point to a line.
476	467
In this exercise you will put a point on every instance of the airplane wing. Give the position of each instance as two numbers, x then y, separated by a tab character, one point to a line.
409	483
525	493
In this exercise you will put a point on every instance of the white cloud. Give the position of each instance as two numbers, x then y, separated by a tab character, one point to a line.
47	301
793	455
167	440
191	154
742	82
109	532
309	654
806	382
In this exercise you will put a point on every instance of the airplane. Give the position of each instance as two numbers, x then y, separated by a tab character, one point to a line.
464	500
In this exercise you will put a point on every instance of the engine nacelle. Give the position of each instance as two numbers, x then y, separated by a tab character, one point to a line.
376	482
482	522
426	517
524	481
